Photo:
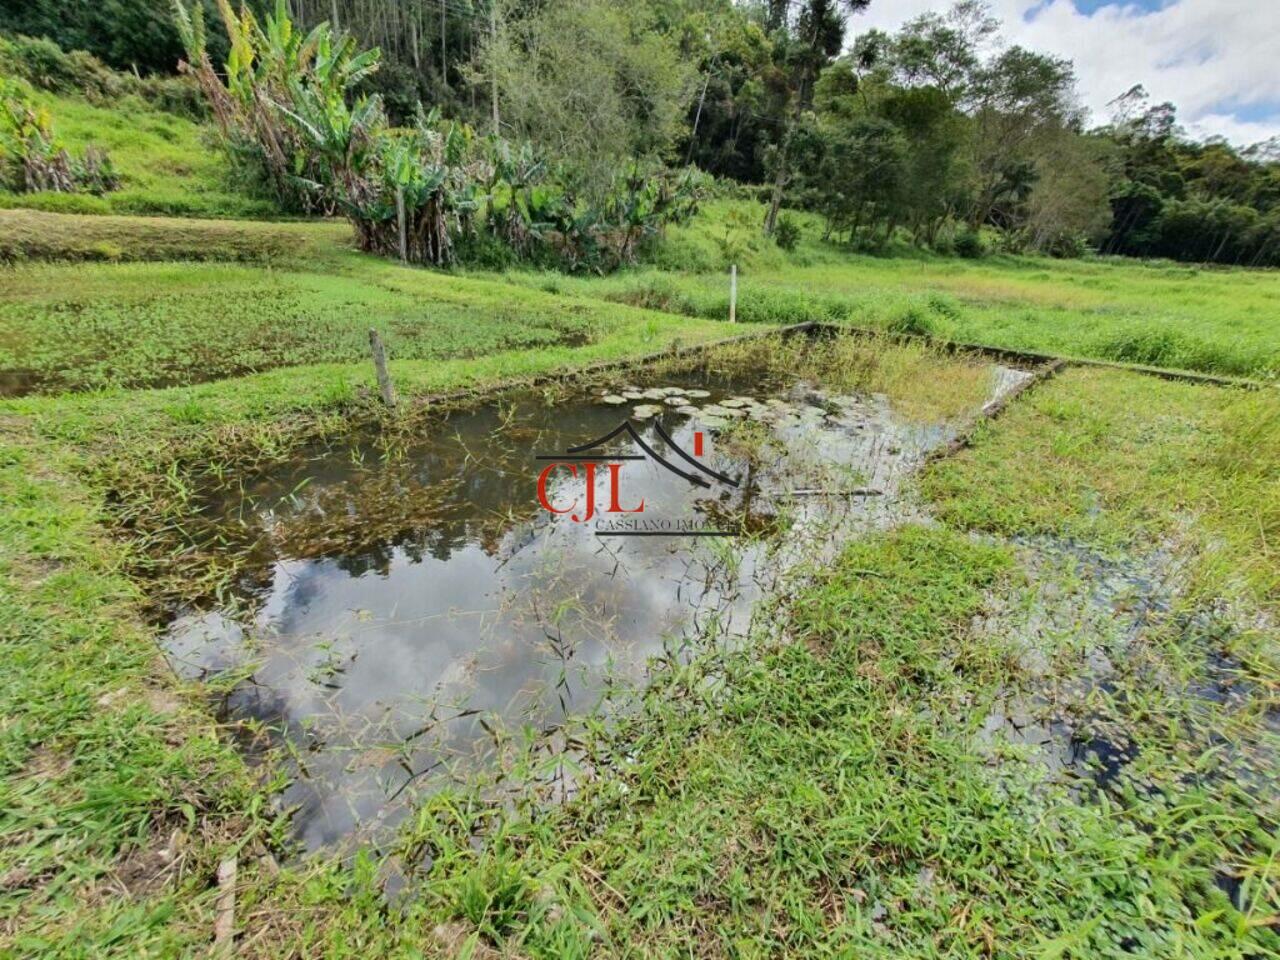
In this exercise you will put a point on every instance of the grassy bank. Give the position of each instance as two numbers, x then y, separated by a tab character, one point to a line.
168	165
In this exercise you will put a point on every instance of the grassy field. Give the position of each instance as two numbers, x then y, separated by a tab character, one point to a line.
856	791
93	325
33	237
1162	314
92	302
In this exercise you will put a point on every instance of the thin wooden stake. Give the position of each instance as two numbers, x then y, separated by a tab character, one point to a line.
224	923
385	386
404	242
733	293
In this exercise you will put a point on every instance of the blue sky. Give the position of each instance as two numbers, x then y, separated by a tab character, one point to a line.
1217	60
1089	6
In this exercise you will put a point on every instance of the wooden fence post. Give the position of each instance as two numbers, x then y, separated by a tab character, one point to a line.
380	366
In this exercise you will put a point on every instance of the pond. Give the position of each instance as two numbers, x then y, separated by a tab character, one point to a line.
404	609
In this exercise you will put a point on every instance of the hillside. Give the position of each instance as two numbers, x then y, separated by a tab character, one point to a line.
168	164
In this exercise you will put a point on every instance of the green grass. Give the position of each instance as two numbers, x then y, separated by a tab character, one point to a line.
169	166
826	793
1118	459
96	325
833	802
112	322
1209	319
39	237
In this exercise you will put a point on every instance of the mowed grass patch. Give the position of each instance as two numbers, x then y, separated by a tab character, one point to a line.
87	326
32	235
169	165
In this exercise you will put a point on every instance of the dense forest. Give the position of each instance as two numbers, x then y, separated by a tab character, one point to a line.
583	114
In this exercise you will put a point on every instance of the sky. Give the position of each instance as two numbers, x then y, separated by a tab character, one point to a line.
1217	60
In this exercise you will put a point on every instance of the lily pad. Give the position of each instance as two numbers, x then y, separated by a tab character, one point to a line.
613	399
645	411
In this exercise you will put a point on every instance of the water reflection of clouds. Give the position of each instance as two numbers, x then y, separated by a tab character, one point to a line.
407	650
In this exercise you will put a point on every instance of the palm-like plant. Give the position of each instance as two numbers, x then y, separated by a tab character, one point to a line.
286	105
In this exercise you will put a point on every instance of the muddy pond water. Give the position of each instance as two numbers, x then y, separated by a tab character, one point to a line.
404	607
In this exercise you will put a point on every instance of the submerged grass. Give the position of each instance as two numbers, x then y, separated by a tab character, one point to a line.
188	447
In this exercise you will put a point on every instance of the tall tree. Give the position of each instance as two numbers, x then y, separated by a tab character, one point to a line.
596	83
806	45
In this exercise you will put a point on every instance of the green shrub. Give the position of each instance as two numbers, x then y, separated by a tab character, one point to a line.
1068	246
56	202
31	157
968	244
1159	347
944	306
46	66
912	321
787	233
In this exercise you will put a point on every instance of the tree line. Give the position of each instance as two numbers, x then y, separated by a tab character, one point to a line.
940	133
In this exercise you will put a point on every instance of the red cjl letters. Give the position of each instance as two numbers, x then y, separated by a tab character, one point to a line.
589	479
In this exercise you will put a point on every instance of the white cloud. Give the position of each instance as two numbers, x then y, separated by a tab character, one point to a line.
1217	60
1233	129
